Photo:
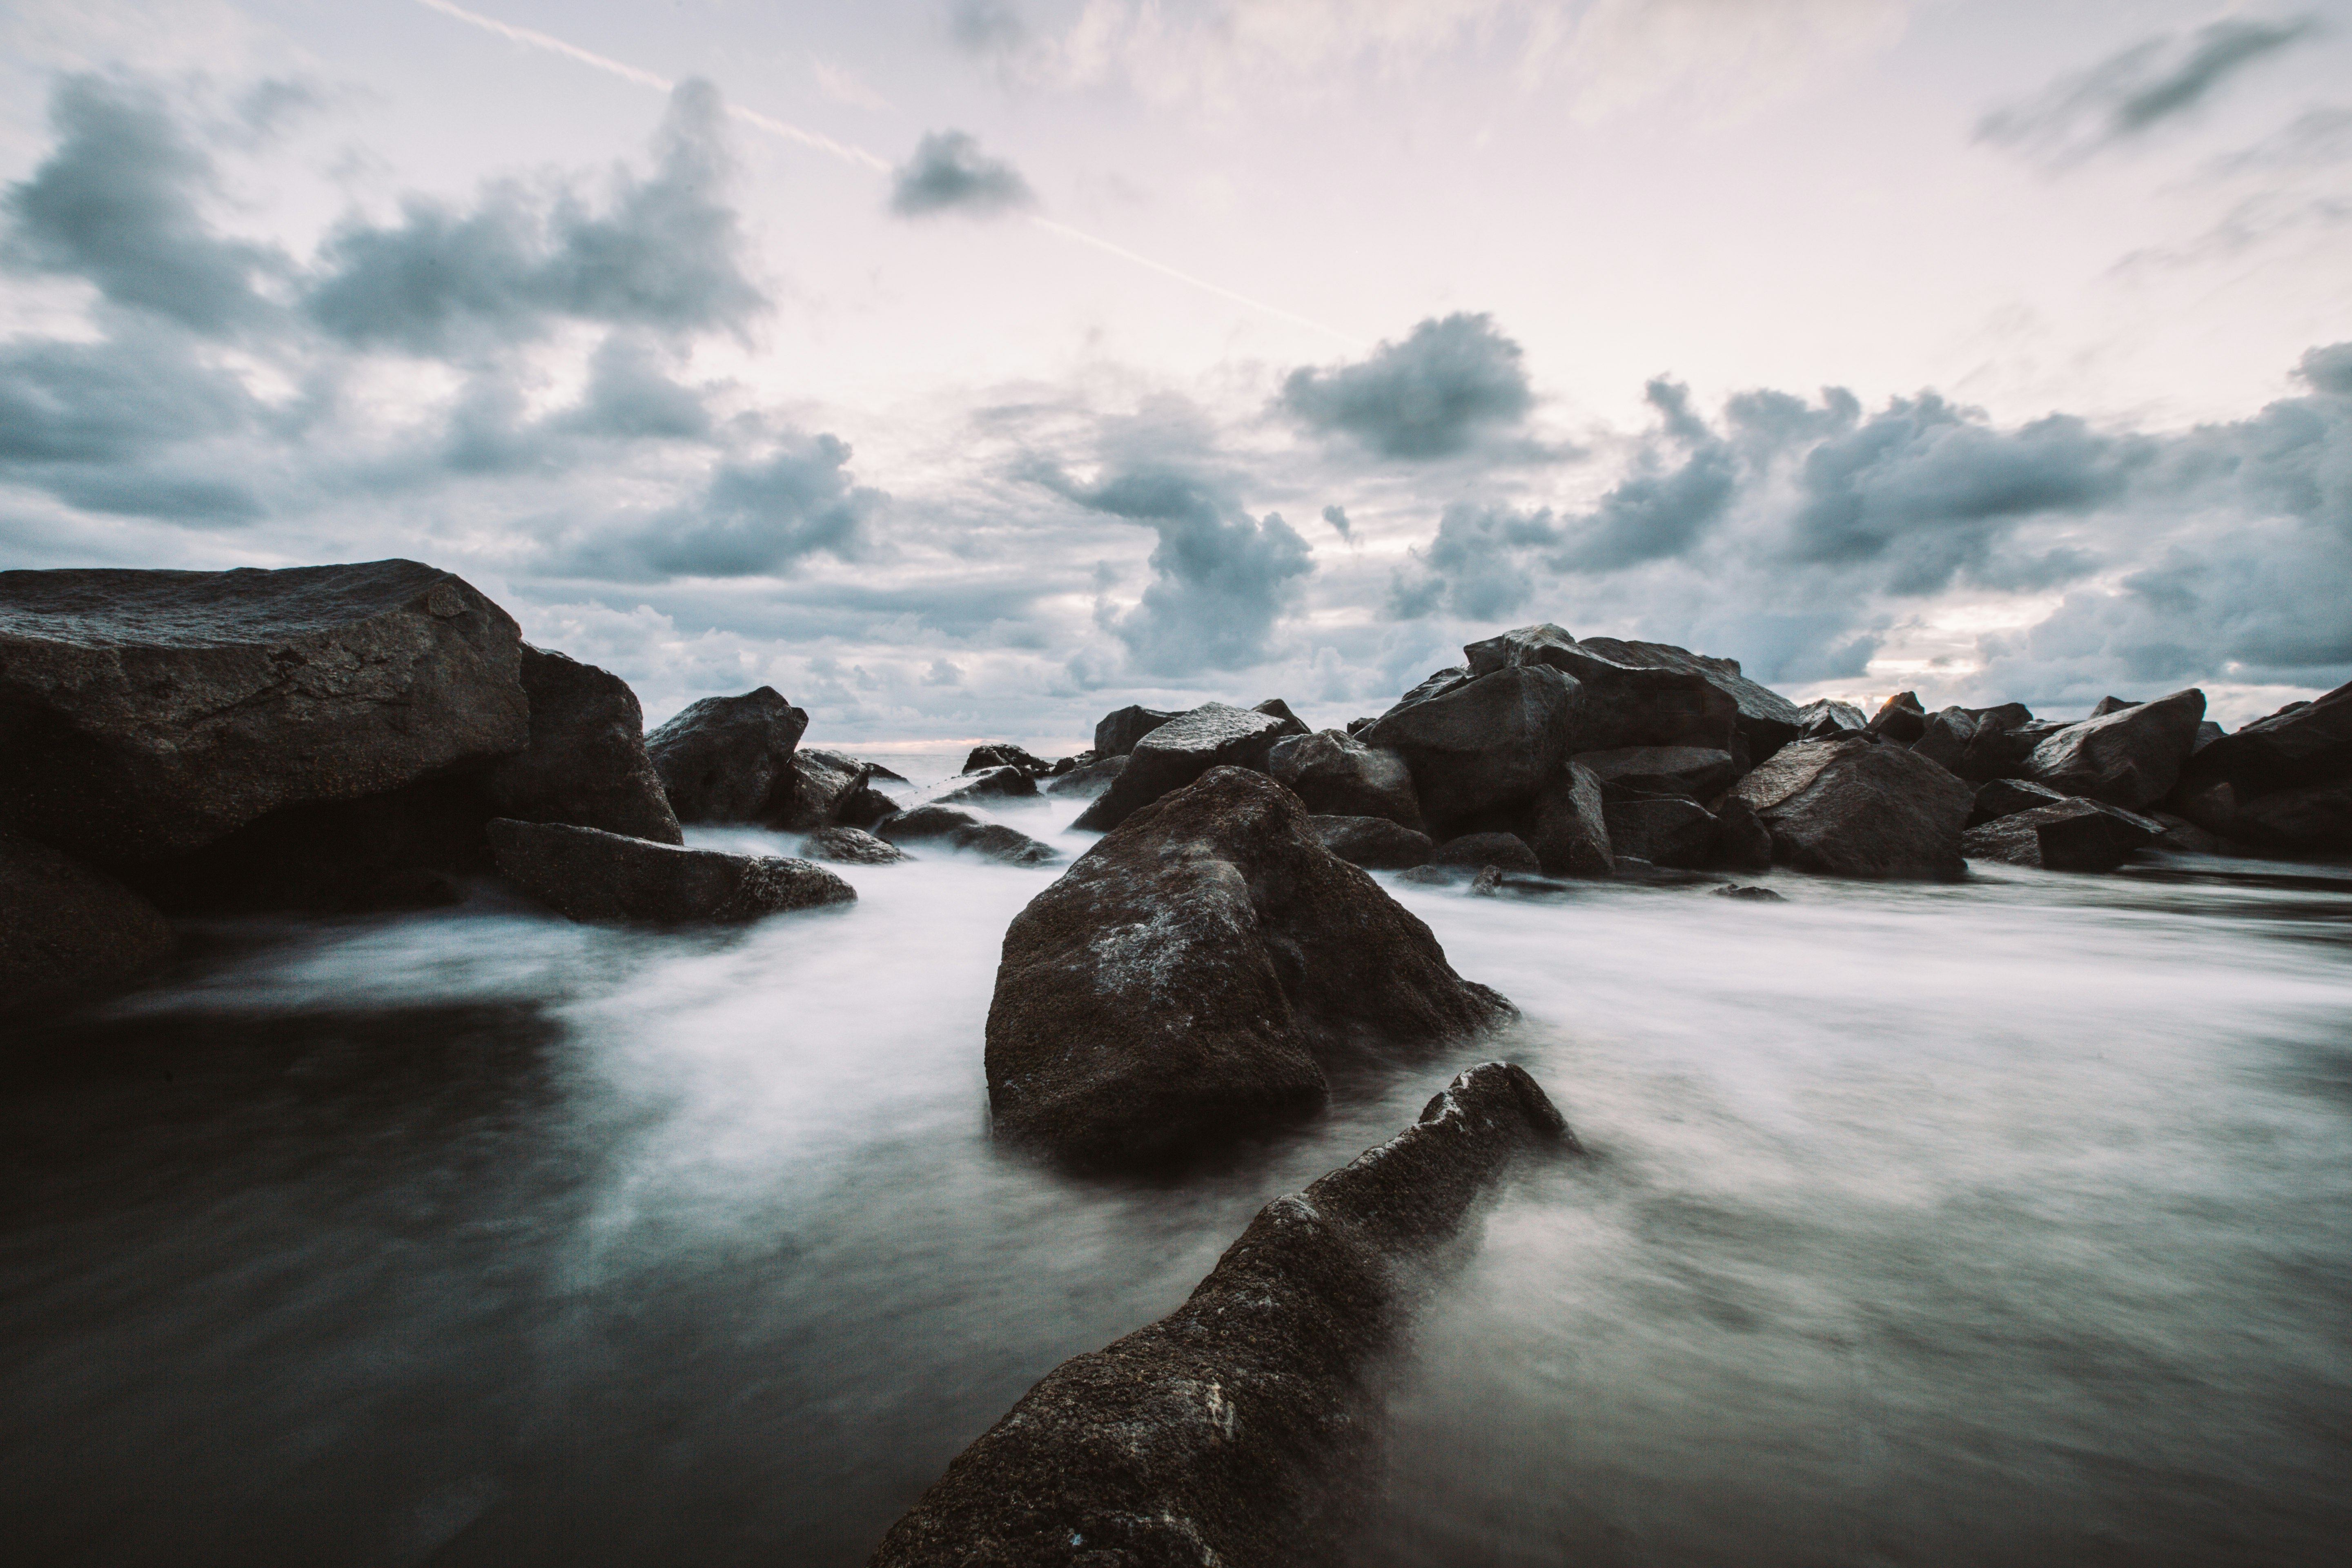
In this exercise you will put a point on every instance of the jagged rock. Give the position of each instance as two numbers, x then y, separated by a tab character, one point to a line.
2006	797
1276	708
1003	782
1752	895
1851	807
1116	733
1089	779
1375	843
1237	1429
586	762
1212	735
1504	851
1485	744
2071	835
1742	842
1665	830
1005	756
2313	819
2301	743
1766	719
1337	776
145	714
877	771
850	846
826	789
1358	725
1695	772
729	759
1825	717
2111	705
1980	744
1487	883
1436	685
1179	980
963	830
2186	837
1900	719
1570	832
2132	758
67	929
585	874
1634	694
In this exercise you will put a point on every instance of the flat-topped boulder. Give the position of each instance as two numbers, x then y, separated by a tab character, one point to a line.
2130	758
1087	780
1633	694
68	931
728	759
1337	775
1180	983
585	874
1173	755
1854	807
586	762
150	713
1238	1429
1766	719
1375	843
2071	835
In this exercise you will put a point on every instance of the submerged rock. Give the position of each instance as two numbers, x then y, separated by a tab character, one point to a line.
1851	807
1750	894
67	929
729	759
850	846
1374	843
1002	782
1180	981
1236	1429
826	789
1340	776
1212	735
2130	758
2067	835
963	830
586	764
586	874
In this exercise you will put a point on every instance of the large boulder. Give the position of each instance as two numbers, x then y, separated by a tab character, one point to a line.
1900	719
2130	758
2308	819
2301	743
586	762
728	759
1766	720
1697	773
1006	756
826	789
1996	799
146	715
1665	830
1274	708
1212	735
1633	694
1854	807
850	846
1339	776
1003	782
67	929
2066	835
1824	718
1375	843
1180	981
1116	733
1488	743
1980	744
1237	1429
585	874
1087	780
1570	830
963	830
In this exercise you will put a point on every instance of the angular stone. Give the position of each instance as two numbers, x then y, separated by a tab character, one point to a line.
2184	836
1766	719
728	759
68	931
1625	697
2301	743
1851	807
2308	819
1337	776
1824	718
584	874
1375	843
1212	735
1900	719
1697	773
1276	708
1504	851
1116	733
963	830
826	789
2006	797
850	846
2111	705
1005	756
1087	779
1750	895
1571	834
1003	782
586	764
2072	835
1979	743
1490	744
1665	830
2132	758
1742	842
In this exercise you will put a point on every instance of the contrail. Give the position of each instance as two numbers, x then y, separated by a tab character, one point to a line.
849	153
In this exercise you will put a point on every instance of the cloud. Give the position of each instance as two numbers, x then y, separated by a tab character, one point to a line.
1337	516
950	173
756	517
1431	395
2131	93
1475	568
1664	506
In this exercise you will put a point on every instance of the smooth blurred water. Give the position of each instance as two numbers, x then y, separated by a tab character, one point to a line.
1997	1223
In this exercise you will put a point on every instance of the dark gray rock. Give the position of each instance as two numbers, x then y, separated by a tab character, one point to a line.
1751	895
1276	708
1900	719
1742	842
1504	851
1436	685
1089	779
1212	735
850	846
1487	744
1766	719
1003	782
1697	773
1634	694
963	830
1665	830
1375	843
67	929
584	874
1570	831
1488	882
1179	982
2068	836
1824	718
2184	836
1116	733
1851	807
1358	725
145	714
1337	776
2132	758
729	759
1980	744
2301	743
826	789
2304	819
2111	705
586	762
1006	756
1239	1428
2006	797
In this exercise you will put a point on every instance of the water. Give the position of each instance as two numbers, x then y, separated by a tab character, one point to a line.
2003	1223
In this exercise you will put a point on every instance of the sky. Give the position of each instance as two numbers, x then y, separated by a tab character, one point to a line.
965	369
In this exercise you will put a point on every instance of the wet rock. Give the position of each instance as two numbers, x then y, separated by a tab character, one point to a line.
1900	719
2068	836
1003	782
1179	982
982	758
1116	733
1752	894
1436	685
586	762
1766	719
1433	876
2006	797
1489	743
1504	851
1239	1428
1212	735
2303	819
1337	776
1742	842
963	830
1980	744
1358	725
729	759
1089	779
146	715
2301	743
1274	708
1633	694
585	874
877	771
1665	830
1824	718
1570	830
2131	758
2184	836
1694	772
850	846
1374	843
826	789
1850	807
68	931
1487	883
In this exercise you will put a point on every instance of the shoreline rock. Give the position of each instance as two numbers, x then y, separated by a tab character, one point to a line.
588	875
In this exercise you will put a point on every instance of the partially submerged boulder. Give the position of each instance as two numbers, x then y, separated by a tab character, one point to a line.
2074	835
1697	772
850	846
2304	819
826	789
1006	756
1665	830
1087	779
1173	755
1742	842
2130	758
67	929
2301	743
1852	808
586	762
1339	776
962	830
1375	843
728	759
1116	733
1236	1429
1180	981
585	874
1004	781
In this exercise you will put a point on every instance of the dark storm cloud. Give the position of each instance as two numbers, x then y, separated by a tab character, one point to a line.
950	173
1431	395
664	254
117	203
2131	93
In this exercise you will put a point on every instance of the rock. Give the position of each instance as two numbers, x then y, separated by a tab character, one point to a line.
728	759
877	771
2068	836
850	846
1665	830
1766	719
1239	1428
2186	837
1116	733
1570	833
2111	705
1900	719
1090	779
1825	717
2208	733
2301	743
1504	851
145	714
67	929
1433	876
1357	726
1753	895
1629	694
1436	685
1487	883
1742	842
585	874
1850	807
1005	756
1695	772
2006	797
2132	758
1374	843
1179	982
1337	776
1003	782
826	789
963	830
586	764
1487	744
2313	819
1276	708
1980	744
1212	735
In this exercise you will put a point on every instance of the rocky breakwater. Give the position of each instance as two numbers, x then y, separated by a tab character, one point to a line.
1172	754
2280	783
1236	1429
1179	982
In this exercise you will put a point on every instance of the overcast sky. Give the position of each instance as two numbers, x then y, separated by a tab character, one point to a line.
967	369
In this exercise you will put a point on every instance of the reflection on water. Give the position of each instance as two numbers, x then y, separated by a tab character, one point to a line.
2000	1223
